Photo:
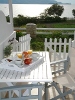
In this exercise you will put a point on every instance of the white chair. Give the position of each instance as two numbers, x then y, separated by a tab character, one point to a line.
67	79
20	89
64	75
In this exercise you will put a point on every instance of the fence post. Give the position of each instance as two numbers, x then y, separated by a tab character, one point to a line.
31	29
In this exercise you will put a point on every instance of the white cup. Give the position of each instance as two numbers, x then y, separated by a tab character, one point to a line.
18	62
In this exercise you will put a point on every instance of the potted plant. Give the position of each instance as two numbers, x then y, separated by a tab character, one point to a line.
7	50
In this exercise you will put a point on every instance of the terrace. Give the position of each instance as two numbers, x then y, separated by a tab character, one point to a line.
54	55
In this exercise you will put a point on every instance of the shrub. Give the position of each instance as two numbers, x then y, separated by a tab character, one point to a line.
18	34
37	46
38	42
7	50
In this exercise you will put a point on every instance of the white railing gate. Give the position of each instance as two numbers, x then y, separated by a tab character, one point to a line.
54	45
23	44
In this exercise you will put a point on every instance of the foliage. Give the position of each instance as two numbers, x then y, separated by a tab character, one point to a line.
38	42
73	12
22	20
44	14
55	10
18	34
7	50
37	46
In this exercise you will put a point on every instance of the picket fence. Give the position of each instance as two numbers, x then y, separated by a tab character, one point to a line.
58	49
23	43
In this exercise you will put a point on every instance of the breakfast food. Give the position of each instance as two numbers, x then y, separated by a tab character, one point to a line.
27	61
19	55
26	56
29	52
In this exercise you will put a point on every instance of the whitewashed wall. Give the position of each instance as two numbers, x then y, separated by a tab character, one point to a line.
6	33
5	28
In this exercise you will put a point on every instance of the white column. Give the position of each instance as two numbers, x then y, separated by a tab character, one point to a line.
11	12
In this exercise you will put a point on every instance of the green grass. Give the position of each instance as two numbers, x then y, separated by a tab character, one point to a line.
63	25
67	24
57	25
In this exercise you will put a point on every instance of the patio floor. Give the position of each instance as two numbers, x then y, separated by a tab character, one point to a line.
53	93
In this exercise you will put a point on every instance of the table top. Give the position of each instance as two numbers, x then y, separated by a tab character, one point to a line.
39	73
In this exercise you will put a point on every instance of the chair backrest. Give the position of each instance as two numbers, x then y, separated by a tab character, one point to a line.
72	61
21	91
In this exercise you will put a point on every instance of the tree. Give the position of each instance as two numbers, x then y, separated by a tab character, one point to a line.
73	12
44	14
55	10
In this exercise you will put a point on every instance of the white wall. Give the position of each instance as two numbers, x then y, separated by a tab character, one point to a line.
5	28
5	43
6	33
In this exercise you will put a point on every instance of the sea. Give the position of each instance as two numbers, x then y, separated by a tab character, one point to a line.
34	10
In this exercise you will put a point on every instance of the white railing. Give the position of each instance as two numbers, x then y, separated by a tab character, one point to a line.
59	49
23	43
63	48
48	30
17	28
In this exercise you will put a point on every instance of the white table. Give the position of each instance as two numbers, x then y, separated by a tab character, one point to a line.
41	73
